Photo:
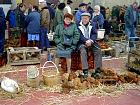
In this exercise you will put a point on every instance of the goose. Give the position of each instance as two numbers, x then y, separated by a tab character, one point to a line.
9	85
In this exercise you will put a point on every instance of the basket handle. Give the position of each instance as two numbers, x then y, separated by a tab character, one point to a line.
50	66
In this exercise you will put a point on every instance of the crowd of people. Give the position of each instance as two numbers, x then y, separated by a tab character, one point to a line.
72	30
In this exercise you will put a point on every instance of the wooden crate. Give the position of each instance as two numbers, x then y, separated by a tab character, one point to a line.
23	55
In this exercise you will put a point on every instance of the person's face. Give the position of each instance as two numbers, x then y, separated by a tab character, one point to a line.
23	8
83	8
42	5
96	10
67	20
135	6
30	6
85	19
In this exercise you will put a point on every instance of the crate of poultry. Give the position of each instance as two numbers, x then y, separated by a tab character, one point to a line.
107	76
117	38
103	45
138	31
23	55
128	77
74	81
134	67
138	45
134	61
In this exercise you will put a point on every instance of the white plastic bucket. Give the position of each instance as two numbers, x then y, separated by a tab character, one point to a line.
100	33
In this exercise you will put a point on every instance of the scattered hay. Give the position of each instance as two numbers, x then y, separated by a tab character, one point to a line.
8	67
103	90
7	95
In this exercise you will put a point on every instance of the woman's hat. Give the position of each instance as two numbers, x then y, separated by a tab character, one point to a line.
67	15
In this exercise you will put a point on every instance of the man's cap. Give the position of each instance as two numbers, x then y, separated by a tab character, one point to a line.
86	14
82	4
69	2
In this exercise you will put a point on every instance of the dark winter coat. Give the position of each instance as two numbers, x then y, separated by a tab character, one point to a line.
129	17
92	33
32	22
72	31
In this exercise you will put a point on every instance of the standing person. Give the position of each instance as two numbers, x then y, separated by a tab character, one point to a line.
107	13
45	21
52	15
98	17
32	22
82	9
2	30
66	37
87	42
68	9
59	15
89	9
20	17
11	18
20	23
131	16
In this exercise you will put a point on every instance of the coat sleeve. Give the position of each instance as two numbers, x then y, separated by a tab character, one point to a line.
101	20
127	16
27	20
76	35
78	17
56	35
59	18
93	33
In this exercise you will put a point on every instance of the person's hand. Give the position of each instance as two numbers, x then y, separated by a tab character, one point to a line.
88	43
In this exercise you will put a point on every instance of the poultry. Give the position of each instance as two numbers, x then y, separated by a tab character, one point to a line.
9	85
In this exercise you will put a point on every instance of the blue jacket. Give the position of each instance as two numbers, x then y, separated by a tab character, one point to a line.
129	17
99	19
92	33
32	22
78	16
2	20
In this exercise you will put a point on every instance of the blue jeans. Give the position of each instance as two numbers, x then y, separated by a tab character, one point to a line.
130	31
2	38
44	41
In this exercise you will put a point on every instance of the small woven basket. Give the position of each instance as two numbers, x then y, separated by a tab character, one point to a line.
50	73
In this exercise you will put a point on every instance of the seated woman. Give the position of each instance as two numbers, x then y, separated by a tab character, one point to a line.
66	37
88	35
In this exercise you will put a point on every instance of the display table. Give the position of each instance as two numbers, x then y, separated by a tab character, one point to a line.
23	55
107	53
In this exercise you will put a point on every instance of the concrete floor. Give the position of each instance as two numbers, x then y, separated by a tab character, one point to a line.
42	97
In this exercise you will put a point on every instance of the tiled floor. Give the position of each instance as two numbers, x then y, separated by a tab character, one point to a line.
42	97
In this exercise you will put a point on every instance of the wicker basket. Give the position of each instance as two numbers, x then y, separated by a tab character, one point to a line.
51	75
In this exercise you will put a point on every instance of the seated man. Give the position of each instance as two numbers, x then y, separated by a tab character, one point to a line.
88	35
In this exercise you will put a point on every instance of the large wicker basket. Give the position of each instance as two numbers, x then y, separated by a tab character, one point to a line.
50	73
